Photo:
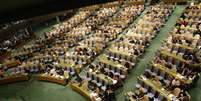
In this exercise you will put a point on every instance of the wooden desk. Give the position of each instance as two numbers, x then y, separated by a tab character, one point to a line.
12	79
129	97
62	64
66	65
183	46
135	2
174	1
87	58
96	49
48	78
10	64
104	59
130	44
82	90
163	92
121	52
112	4
168	54
30	65
28	53
103	77
119	19
89	8
174	74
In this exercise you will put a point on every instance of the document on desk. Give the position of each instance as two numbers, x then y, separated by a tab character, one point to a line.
180	76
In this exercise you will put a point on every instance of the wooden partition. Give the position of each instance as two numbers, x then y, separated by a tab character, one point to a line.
13	79
82	89
112	4
135	2
175	1
51	79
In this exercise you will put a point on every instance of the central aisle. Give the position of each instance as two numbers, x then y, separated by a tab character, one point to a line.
149	54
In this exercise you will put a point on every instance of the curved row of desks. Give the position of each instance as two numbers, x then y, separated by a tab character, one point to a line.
82	90
18	78
13	79
52	79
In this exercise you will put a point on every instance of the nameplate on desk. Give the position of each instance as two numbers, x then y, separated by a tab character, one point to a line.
144	78
180	76
118	65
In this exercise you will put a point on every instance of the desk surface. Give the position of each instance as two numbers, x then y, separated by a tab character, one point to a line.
30	64
21	53
183	46
48	78
114	64
122	52
103	77
166	53
12	63
156	87
174	74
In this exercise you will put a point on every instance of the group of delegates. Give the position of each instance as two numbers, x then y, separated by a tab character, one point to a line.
92	45
188	28
125	17
18	37
9	72
10	24
61	43
153	21
76	34
52	58
108	72
176	67
62	32
66	26
60	35
11	68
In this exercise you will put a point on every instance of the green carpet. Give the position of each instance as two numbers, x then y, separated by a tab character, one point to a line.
195	92
34	90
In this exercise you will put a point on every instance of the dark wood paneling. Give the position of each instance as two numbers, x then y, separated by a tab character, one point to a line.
11	10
